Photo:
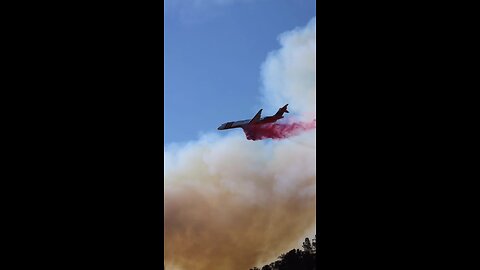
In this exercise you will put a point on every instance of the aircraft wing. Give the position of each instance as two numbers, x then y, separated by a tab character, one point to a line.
257	117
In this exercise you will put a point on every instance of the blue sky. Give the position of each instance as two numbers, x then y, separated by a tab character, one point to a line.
213	53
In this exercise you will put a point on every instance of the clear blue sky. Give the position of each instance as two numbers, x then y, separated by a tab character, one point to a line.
213	53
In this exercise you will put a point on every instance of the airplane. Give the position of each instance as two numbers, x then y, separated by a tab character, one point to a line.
256	120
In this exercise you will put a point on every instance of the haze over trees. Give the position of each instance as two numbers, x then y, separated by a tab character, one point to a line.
296	259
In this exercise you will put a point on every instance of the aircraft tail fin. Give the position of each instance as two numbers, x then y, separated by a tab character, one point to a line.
282	110
257	117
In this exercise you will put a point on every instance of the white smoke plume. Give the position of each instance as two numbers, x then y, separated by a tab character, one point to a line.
233	204
289	74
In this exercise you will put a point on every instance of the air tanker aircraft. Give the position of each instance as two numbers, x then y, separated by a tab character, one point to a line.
257	120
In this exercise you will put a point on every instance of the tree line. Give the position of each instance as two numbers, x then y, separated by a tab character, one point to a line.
296	259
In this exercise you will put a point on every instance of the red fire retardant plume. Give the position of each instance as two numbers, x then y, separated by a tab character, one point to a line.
277	130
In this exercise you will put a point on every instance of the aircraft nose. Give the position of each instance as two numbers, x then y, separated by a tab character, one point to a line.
220	127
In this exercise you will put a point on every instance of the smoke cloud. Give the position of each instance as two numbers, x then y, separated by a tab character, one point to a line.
289	74
231	203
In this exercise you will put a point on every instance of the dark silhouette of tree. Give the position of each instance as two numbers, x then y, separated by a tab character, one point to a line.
307	246
275	265
291	260
296	259
314	244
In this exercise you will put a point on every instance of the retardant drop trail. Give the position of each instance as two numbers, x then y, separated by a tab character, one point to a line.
277	130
